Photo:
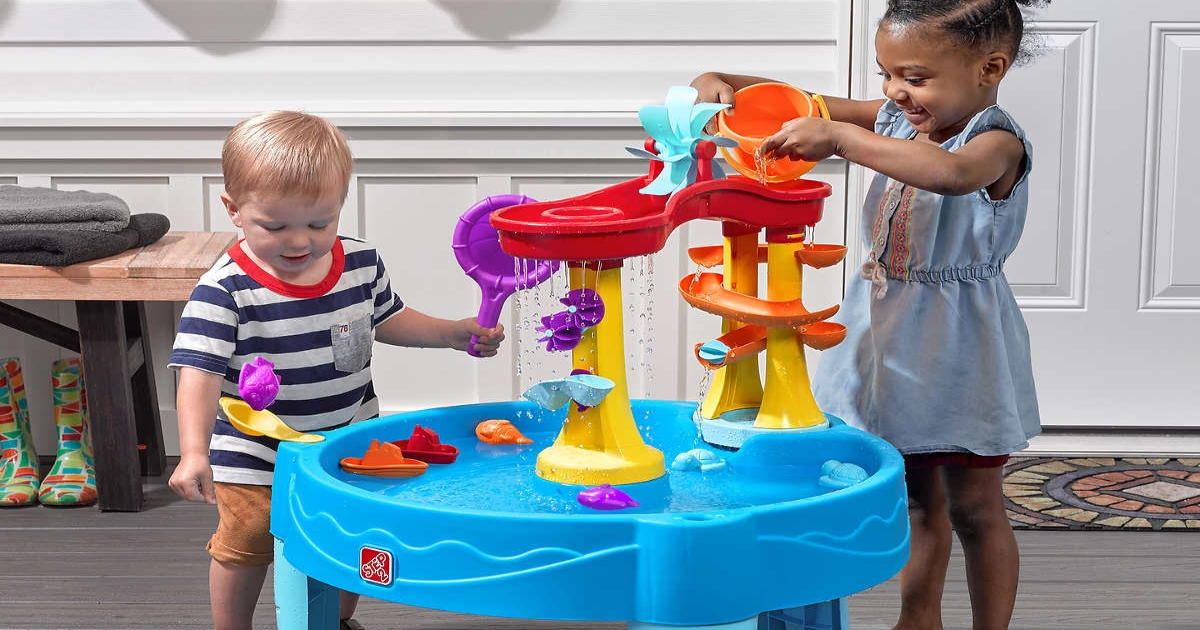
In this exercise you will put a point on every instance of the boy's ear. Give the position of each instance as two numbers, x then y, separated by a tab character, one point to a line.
995	66
232	209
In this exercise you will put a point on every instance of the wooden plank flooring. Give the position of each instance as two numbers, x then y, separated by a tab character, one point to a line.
83	569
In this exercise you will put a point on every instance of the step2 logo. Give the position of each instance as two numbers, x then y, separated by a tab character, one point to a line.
375	566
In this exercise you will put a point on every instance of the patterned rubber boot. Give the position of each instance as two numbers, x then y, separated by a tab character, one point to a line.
18	459
72	479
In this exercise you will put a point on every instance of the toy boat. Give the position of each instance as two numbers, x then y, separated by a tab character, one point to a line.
424	445
384	460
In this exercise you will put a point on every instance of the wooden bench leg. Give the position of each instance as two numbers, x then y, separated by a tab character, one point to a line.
104	351
145	395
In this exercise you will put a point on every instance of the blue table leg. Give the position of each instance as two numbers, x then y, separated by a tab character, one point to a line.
830	615
748	624
302	603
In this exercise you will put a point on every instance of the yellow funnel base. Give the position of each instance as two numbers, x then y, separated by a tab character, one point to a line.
589	467
734	387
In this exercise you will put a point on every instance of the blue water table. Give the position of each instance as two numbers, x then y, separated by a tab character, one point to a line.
753	509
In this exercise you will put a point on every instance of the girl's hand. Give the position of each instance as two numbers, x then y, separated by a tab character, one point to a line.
808	139
193	479
713	89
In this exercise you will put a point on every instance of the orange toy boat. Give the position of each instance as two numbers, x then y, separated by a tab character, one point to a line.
384	460
500	432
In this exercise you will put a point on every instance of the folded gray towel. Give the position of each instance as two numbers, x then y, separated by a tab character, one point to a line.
59	248
32	208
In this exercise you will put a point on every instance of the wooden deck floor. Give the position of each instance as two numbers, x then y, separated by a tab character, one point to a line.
79	568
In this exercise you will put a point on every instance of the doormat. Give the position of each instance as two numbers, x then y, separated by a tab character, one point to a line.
1098	493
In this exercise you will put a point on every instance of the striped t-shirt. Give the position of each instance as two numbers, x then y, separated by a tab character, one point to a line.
319	337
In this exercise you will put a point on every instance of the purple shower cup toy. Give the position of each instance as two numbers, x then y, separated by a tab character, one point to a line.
477	247
258	384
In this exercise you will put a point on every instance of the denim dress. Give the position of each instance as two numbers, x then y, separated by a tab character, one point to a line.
936	356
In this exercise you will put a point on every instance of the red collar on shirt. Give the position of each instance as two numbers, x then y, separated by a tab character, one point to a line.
288	289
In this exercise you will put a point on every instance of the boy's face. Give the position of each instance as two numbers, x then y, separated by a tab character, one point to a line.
289	236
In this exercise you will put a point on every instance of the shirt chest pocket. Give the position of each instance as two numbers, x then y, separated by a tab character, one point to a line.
351	342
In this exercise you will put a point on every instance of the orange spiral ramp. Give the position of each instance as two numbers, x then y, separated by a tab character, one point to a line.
743	343
705	292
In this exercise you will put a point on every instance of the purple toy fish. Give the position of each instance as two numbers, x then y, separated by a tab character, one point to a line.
258	384
605	497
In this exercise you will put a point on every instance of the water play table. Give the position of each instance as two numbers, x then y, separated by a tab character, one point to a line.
485	535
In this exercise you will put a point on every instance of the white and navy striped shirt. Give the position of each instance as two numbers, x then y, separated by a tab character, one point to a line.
319	337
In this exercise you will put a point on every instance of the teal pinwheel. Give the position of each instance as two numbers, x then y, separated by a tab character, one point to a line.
676	128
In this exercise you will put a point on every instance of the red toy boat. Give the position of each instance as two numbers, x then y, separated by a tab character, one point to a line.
424	445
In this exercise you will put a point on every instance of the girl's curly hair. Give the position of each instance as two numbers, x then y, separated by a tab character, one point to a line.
972	23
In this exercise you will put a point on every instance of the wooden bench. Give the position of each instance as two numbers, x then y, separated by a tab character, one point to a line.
109	295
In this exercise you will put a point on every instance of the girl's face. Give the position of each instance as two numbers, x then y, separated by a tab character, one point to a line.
289	236
940	86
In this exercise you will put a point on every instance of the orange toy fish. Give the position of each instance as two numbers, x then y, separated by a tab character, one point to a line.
500	432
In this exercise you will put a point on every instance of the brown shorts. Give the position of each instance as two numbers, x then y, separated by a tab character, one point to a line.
966	460
243	536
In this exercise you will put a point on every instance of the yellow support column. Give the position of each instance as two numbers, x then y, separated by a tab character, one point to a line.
736	386
788	402
601	444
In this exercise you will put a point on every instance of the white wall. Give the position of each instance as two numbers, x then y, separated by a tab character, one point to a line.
445	102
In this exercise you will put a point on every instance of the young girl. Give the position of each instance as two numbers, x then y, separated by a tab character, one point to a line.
936	360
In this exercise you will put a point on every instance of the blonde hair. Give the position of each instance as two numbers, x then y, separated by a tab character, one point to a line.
285	153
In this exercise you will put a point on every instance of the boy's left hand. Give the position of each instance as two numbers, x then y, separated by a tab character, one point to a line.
488	342
808	139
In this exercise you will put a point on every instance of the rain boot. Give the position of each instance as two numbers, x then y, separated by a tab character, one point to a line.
72	479
18	459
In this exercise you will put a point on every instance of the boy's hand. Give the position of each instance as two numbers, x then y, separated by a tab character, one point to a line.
193	479
808	139
487	342
713	89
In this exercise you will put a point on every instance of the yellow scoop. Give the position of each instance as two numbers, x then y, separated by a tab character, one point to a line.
252	422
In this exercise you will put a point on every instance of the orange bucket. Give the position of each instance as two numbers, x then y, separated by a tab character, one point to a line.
759	112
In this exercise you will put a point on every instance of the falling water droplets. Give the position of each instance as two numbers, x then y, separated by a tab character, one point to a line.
639	331
762	165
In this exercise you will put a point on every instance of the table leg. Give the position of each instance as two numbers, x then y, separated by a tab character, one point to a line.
302	603
103	349
748	624
830	615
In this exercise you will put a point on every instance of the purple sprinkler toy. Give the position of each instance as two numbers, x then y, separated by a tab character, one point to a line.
477	248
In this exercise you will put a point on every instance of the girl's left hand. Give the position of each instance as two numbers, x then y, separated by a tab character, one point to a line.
808	139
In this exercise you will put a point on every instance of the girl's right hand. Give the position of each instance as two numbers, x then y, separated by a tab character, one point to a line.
713	88
193	479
